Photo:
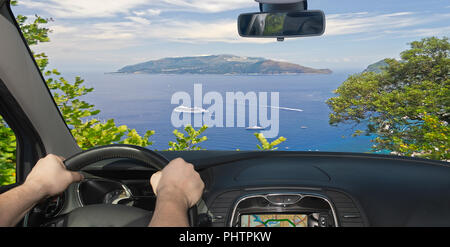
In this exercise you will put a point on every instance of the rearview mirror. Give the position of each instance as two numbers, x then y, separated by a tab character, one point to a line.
282	24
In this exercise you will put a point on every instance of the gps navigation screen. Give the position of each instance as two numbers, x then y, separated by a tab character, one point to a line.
274	220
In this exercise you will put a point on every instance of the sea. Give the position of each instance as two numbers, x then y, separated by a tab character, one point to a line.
143	102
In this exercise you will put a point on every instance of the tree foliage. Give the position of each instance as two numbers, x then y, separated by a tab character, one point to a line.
407	106
189	142
7	154
266	145
434	138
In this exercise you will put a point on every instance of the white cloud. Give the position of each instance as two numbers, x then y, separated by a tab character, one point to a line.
422	32
139	20
208	5
131	17
83	8
136	30
110	8
224	30
148	12
375	24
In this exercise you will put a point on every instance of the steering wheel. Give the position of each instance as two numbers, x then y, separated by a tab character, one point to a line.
115	215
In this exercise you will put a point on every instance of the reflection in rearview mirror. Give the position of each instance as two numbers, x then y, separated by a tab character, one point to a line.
274	25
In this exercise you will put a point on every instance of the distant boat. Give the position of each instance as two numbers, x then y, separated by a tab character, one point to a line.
255	128
195	110
303	127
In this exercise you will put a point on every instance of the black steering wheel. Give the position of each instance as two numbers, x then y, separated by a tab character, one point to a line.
115	215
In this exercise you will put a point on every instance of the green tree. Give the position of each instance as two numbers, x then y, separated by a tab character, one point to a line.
189	142
266	145
407	106
434	138
7	154
274	24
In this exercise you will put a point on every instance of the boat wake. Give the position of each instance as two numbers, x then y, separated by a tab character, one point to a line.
283	108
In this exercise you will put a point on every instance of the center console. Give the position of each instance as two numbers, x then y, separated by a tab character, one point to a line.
283	210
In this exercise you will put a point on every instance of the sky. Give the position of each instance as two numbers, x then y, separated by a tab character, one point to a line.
105	35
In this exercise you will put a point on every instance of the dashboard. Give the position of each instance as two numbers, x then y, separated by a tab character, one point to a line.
281	189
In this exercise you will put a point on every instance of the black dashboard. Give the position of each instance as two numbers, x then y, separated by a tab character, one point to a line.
316	189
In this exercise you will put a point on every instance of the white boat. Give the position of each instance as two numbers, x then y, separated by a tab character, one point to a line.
303	127
195	110
255	128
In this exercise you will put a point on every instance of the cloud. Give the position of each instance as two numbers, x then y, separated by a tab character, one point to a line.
111	8
224	30
148	12
137	30
139	20
83	8
207	5
370	26
376	24
124	19
422	32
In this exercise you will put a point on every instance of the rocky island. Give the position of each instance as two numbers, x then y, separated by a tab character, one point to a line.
377	67
219	64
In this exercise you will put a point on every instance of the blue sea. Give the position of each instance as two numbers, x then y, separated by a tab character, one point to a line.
143	102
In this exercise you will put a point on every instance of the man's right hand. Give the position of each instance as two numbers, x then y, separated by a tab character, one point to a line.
178	180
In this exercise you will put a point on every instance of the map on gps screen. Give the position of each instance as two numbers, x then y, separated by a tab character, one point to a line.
274	220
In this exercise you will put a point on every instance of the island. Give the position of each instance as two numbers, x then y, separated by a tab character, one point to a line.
377	67
219	64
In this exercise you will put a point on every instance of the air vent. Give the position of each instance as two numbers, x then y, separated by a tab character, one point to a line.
347	212
221	206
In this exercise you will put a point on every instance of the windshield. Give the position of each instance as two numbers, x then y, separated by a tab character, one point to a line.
176	75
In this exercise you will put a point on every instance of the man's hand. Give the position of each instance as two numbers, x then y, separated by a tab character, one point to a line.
178	187
178	178
50	177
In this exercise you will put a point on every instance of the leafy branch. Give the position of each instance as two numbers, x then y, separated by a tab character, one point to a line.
265	145
189	142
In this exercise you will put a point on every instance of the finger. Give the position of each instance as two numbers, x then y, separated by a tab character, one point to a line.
61	158
154	181
179	159
76	176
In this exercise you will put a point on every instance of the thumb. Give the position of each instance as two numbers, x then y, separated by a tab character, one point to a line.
154	181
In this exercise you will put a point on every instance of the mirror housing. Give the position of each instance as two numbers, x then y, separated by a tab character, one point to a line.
282	5
281	24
